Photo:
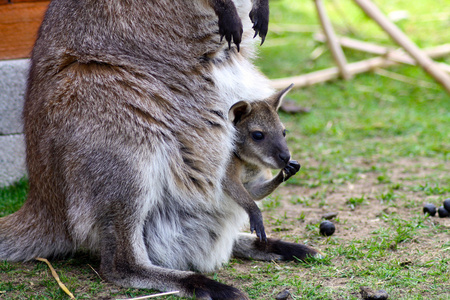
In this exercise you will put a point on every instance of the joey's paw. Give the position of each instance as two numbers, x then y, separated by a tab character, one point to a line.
257	225
230	27
260	18
202	287
291	169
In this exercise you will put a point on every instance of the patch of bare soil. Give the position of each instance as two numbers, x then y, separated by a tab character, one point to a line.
363	217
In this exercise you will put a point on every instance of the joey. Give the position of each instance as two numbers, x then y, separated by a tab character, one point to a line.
260	146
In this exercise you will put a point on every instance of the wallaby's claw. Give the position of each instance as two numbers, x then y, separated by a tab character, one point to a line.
237	37
291	169
263	38
257	226
255	28
261	233
260	18
262	236
230	26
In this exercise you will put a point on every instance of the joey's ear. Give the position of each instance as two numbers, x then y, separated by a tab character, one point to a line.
277	99
239	111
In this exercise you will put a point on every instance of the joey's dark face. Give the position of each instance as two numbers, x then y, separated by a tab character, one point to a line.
261	138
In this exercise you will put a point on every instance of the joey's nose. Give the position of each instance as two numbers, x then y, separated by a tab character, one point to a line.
285	156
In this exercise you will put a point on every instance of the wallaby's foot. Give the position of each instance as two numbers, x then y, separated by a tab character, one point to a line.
188	284
204	288
260	18
125	264
230	27
257	225
291	169
287	251
247	246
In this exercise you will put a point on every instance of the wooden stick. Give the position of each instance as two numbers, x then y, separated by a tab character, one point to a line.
335	48
397	55
355	44
55	275
152	296
400	38
406	79
354	68
444	67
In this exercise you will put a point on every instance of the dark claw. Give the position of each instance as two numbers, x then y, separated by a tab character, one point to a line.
263	38
295	165
262	236
291	169
257	226
255	28
230	26
260	18
256	32
237	38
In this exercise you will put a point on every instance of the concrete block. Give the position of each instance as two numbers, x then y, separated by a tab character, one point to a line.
12	158
13	78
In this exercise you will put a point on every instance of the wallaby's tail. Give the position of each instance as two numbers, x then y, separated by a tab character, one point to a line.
31	233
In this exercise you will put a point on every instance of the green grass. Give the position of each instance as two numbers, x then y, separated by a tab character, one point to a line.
12	197
372	149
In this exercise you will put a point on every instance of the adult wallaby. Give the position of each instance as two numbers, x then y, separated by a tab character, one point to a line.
260	146
128	142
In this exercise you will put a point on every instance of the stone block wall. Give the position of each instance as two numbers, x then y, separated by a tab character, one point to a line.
13	77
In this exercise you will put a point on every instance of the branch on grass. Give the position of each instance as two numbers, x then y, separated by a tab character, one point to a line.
61	285
152	296
406	79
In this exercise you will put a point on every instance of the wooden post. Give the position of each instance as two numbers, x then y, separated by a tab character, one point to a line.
335	48
400	38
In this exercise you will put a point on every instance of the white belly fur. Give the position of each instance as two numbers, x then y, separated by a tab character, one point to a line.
186	243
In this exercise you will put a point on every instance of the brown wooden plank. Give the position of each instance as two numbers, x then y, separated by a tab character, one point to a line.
3	2
19	24
17	1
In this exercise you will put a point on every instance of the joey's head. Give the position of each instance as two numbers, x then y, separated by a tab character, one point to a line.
260	135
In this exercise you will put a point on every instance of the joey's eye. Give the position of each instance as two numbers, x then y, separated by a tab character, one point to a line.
257	135
284	132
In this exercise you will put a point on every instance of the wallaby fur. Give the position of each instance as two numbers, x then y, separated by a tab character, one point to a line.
127	142
260	146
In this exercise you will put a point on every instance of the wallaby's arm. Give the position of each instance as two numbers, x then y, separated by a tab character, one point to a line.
259	189
234	188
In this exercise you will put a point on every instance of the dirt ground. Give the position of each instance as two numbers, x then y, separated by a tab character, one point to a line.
364	220
294	218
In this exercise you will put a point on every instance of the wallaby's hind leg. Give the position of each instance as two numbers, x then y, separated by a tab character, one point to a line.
125	262
247	246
